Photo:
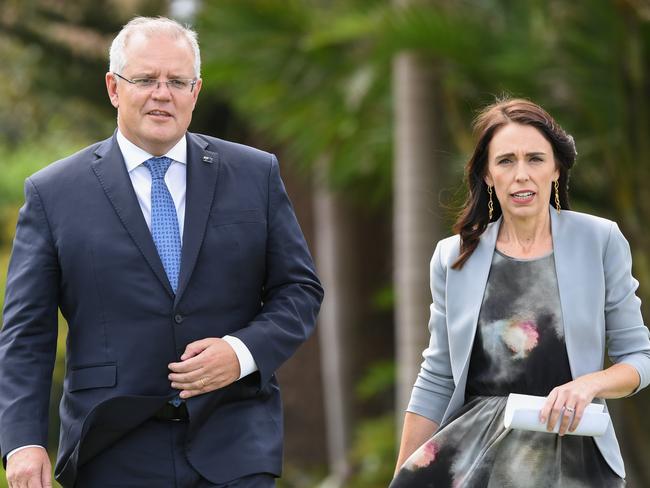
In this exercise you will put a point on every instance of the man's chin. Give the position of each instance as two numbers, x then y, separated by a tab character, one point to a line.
165	139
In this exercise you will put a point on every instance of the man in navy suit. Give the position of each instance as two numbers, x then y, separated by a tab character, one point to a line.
180	267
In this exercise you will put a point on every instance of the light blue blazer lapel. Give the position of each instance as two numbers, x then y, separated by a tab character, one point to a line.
465	290
573	268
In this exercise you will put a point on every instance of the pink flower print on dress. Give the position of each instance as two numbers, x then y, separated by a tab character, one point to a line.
425	455
521	337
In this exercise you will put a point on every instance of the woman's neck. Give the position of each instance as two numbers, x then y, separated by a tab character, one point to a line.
525	238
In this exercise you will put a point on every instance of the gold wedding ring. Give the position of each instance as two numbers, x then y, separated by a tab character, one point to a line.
202	382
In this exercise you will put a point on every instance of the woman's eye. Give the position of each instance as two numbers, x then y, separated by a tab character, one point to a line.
503	161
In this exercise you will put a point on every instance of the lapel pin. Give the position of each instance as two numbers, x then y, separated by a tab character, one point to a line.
207	159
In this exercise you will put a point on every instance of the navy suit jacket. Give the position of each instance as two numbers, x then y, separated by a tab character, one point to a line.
82	245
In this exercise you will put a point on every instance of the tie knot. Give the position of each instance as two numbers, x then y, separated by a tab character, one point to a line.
158	166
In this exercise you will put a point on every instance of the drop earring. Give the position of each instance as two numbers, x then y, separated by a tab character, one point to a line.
490	204
556	185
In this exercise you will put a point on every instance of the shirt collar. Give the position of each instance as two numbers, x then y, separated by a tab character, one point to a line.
134	156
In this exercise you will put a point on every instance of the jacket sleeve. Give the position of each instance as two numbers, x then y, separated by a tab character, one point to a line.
435	384
29	334
628	339
292	292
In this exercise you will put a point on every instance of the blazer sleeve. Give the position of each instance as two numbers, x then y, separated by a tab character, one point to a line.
628	339
434	385
29	334
292	292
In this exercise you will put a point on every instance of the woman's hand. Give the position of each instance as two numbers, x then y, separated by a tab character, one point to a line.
568	402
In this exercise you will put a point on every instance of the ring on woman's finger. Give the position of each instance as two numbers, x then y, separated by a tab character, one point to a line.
570	409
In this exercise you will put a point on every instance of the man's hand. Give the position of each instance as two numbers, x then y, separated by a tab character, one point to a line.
206	365
29	468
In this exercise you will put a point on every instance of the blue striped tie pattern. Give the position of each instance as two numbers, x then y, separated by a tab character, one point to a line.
164	221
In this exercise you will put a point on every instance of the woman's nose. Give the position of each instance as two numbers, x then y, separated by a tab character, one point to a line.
522	171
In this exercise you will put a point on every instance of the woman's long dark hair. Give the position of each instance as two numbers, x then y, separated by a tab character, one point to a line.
473	218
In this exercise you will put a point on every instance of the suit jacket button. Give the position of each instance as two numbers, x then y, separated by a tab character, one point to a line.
178	318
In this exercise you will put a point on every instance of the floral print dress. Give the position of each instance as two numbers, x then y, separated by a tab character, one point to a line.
518	348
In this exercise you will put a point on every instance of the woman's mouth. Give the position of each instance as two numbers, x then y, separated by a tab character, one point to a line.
524	196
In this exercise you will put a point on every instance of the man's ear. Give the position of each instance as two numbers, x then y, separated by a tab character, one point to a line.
195	92
111	88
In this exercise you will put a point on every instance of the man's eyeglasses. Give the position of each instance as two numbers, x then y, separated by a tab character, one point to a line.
176	84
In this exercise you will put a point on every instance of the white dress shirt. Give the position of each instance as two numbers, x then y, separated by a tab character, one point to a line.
175	179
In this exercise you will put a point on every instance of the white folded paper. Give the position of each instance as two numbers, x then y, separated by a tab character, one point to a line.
522	412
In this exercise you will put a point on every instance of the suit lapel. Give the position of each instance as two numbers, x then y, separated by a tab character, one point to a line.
568	278
466	288
202	174
114	179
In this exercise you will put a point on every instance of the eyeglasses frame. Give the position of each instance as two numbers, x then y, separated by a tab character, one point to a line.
191	81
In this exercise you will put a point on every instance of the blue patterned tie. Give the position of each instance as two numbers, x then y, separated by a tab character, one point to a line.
164	222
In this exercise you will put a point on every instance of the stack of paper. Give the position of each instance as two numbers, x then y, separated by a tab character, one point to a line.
522	412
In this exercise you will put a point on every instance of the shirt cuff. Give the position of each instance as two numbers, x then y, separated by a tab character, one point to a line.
247	364
11	453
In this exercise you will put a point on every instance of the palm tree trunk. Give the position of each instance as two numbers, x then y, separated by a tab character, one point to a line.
415	220
336	321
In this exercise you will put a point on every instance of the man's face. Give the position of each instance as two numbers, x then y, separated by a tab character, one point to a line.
154	118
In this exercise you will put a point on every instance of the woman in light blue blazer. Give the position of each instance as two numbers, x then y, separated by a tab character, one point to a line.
526	299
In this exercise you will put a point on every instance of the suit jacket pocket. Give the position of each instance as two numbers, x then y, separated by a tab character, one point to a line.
95	376
228	217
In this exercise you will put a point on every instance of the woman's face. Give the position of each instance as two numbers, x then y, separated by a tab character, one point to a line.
521	168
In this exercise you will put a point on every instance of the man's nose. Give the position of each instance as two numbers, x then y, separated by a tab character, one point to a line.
161	90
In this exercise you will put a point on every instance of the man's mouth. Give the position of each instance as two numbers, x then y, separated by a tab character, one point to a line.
159	113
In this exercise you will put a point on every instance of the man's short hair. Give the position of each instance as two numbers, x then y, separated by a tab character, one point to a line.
150	26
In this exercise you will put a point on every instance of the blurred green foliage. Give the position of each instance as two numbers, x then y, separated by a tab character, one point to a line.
379	378
373	453
18	163
299	73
